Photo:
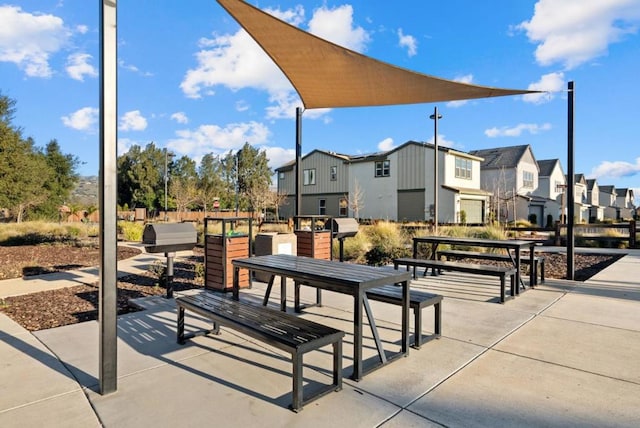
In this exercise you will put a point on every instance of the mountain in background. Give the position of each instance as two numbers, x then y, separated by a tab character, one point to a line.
86	191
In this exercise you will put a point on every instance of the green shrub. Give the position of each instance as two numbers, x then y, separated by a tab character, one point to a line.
131	231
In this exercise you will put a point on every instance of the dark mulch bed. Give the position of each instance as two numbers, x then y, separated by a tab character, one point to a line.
71	305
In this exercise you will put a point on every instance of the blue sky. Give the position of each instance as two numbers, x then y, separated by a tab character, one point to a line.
191	80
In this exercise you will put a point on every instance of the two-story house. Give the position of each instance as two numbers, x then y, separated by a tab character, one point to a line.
396	185
626	203
510	174
608	200
548	198
596	212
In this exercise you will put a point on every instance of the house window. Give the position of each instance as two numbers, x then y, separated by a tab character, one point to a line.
344	205
527	179
333	173
322	206
463	168
281	175
383	168
309	177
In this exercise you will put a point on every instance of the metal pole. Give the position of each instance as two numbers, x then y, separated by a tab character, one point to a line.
435	116
107	308
570	185
237	183
298	210
166	179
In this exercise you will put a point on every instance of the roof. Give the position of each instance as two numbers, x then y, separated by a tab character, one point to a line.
607	189
502	157
547	166
591	182
622	192
468	191
327	75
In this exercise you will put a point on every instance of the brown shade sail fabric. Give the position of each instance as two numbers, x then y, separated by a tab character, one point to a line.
327	75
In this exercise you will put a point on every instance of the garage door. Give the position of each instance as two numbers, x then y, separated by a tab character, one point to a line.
410	205
474	210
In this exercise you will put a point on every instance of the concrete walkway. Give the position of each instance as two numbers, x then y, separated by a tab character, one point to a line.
562	354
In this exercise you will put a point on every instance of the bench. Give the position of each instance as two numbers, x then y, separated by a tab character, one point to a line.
459	254
284	331
499	271
417	300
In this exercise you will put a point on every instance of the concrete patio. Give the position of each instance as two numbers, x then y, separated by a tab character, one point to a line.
562	354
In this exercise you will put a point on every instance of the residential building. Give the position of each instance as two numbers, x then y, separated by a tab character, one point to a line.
510	174
581	206
394	185
608	200
596	212
625	203
548	199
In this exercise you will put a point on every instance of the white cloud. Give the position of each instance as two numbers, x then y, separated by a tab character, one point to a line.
180	117
84	119
408	42
82	29
213	138
278	156
516	131
467	78
550	84
133	68
336	25
572	32
386	145
78	66
616	169
237	62
242	105
28	40
442	141
132	121
124	144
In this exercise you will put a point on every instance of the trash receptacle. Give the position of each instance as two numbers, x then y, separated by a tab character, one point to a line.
268	243
221	249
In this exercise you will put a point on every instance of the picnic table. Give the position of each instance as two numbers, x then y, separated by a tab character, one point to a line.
345	278
509	244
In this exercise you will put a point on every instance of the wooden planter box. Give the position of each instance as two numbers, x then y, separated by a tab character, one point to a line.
316	244
220	251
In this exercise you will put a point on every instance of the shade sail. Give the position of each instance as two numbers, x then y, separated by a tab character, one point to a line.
326	75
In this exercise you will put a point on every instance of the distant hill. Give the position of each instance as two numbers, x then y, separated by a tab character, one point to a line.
86	192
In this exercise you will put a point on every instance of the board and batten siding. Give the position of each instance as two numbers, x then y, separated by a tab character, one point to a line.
411	167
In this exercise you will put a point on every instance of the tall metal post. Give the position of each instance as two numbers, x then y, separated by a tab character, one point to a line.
107	307
570	185
166	179
298	210
435	116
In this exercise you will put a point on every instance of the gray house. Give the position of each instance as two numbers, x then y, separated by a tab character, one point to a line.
548	199
394	185
510	174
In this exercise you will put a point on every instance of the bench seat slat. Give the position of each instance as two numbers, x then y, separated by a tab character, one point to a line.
281	330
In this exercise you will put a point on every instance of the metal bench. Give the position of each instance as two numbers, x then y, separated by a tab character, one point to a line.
284	331
417	300
459	254
439	265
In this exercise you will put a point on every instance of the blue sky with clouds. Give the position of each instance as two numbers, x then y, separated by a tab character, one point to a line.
192	81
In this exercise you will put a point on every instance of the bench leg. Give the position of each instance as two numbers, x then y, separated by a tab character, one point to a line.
297	401
337	364
513	285
502	285
180	335
417	335
438	319
542	272
268	292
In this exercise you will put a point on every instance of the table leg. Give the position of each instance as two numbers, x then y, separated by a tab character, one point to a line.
532	268
405	317
518	267
283	293
236	283
357	336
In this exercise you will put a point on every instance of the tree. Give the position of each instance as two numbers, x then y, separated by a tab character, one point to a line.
355	199
184	192
210	183
23	170
254	176
62	181
141	177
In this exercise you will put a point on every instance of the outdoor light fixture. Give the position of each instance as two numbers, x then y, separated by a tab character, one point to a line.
435	116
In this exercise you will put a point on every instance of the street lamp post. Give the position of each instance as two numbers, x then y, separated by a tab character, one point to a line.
166	180
435	116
